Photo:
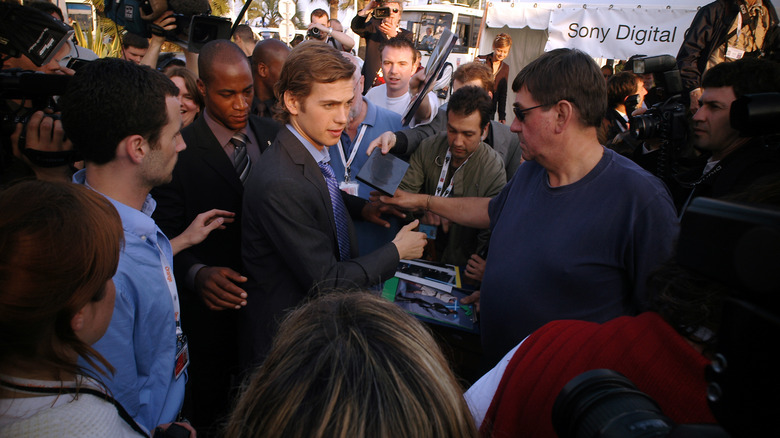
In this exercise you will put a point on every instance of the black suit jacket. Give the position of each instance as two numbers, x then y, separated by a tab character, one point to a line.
290	247
203	179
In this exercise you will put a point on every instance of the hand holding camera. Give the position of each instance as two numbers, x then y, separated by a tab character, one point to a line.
318	31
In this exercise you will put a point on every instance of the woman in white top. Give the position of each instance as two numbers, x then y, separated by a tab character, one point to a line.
59	248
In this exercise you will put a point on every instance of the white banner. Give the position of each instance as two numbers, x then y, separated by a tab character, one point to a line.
619	33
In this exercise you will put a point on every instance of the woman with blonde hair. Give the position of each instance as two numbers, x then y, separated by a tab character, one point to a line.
352	364
495	60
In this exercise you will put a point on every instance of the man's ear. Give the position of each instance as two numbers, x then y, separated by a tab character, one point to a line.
292	103
262	70
565	113
201	87
134	148
485	131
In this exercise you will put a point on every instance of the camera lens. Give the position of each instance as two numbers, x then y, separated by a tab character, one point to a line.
604	403
313	33
645	126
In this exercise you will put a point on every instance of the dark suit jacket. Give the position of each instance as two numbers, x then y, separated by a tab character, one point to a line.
203	179
289	241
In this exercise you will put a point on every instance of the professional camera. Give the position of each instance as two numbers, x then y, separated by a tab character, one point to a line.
743	384
382	12
194	24
604	403
39	90
664	120
314	33
28	32
32	33
756	114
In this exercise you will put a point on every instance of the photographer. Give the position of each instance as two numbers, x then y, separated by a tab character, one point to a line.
730	162
163	24
30	125
377	30
321	29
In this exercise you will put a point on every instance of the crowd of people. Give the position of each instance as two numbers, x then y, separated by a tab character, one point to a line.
208	264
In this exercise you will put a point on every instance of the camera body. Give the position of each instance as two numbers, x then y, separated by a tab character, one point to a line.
382	12
194	24
39	90
664	120
316	34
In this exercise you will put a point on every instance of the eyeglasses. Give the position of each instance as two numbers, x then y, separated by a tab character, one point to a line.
520	113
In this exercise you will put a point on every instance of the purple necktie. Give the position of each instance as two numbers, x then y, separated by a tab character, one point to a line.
339	210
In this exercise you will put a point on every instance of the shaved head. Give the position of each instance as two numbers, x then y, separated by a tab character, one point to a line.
268	51
216	54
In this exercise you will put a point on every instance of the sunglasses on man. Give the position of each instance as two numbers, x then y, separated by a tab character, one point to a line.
520	113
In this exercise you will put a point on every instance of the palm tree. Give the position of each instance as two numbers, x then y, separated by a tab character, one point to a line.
268	11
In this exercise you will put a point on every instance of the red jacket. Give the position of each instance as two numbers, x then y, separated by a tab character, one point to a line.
644	348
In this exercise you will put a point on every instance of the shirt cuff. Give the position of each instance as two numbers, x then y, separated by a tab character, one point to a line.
190	280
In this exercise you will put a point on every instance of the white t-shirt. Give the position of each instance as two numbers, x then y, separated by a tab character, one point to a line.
378	96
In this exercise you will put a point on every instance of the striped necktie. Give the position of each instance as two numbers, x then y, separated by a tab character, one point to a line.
339	210
240	157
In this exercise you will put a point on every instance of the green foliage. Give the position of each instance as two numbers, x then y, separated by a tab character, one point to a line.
105	42
268	11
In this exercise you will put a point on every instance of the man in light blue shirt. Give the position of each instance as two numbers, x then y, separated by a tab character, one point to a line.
367	121
125	120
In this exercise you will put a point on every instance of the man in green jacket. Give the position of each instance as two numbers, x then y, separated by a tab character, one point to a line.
458	164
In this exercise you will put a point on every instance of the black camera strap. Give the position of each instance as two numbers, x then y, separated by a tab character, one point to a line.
93	392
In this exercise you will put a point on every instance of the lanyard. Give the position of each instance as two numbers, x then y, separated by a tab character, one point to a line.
443	176
355	146
743	9
171	283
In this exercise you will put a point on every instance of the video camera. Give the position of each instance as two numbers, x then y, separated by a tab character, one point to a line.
382	12
743	384
194	24
28	32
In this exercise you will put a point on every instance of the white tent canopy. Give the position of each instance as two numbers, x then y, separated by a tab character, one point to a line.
603	30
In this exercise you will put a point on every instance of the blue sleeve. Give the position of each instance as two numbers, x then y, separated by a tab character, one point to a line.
655	232
118	346
497	204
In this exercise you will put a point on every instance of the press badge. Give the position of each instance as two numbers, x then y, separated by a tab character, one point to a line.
182	356
734	53
350	187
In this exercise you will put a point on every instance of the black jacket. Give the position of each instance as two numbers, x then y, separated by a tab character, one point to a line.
708	31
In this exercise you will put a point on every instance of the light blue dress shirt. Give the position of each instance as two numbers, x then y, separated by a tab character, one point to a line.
377	121
141	339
